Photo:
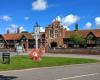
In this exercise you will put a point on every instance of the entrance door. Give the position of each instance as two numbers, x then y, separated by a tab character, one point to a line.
53	44
24	46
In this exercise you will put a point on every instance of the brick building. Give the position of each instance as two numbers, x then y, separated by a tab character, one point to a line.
54	36
57	36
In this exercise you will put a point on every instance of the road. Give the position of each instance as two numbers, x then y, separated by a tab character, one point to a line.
68	72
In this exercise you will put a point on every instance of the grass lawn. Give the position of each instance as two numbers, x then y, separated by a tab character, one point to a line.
23	62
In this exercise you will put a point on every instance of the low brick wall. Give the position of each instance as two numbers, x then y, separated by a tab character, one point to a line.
7	50
75	51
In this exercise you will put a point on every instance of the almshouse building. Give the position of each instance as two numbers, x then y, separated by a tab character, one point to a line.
54	36
57	36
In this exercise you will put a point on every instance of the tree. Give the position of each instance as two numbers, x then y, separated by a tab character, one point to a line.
77	39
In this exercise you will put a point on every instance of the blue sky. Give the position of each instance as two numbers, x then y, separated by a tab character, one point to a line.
24	13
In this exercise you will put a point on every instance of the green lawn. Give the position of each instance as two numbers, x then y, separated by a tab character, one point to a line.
23	62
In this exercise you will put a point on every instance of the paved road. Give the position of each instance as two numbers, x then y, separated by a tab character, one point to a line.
68	72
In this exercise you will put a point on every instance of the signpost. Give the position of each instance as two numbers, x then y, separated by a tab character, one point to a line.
6	58
36	34
36	55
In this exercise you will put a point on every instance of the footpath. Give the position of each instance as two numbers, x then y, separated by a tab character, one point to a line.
62	55
87	56
73	56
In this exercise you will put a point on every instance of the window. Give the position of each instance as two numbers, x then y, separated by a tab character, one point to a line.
23	38
51	33
1	41
91	41
1	45
97	41
56	33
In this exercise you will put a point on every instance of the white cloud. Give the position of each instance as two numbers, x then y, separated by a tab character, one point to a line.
42	29
10	30
39	5
67	28
26	18
21	29
97	22
70	19
5	18
88	25
67	20
13	28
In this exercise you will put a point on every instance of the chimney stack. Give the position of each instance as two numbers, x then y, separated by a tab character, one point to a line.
76	27
18	30
8	32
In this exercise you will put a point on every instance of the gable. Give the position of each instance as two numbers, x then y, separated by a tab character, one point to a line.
90	36
2	39
23	38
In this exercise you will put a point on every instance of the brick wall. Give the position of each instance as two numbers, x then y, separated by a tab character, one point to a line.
75	51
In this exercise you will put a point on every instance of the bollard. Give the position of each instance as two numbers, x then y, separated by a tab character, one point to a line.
6	58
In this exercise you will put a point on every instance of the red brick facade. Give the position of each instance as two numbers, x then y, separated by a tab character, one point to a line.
57	36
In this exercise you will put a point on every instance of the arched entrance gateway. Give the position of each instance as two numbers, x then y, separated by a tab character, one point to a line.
24	42
53	44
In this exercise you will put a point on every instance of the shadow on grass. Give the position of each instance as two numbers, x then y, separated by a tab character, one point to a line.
2	77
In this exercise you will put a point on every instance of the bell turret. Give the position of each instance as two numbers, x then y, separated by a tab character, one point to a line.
36	28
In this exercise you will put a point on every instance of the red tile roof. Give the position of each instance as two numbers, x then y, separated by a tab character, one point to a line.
96	32
17	36
11	36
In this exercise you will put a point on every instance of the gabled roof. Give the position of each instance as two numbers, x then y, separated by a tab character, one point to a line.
3	38
96	32
56	22
17	36
11	36
27	35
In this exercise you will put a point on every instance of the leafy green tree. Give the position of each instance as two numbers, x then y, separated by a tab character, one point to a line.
77	39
